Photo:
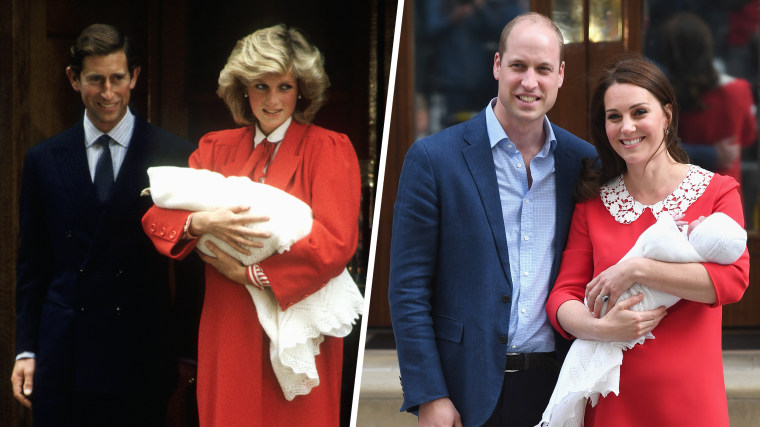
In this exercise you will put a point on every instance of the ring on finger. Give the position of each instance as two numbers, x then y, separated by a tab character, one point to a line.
605	298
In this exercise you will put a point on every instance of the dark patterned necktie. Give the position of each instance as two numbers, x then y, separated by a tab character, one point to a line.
104	170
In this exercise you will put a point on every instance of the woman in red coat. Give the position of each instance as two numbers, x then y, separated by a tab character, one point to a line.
273	83
677	378
716	109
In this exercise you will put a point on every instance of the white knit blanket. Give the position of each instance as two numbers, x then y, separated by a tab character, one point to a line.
592	368
296	333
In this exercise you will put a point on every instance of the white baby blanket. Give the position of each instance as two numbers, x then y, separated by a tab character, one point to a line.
592	368
296	333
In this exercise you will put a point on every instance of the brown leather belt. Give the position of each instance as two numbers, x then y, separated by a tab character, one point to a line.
531	361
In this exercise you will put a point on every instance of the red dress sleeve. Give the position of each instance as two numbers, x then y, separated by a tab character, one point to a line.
730	281
576	269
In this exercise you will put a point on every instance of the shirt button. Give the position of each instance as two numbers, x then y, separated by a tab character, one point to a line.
509	146
519	165
526	238
522	311
514	346
525	274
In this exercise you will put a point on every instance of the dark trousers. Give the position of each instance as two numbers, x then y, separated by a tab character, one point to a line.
56	408
524	396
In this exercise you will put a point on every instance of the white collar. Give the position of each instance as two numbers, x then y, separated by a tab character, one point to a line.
275	136
625	209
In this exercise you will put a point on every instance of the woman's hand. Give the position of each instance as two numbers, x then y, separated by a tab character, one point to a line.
229	225
623	324
227	265
611	283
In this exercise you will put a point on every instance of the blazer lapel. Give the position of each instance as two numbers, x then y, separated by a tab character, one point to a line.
479	160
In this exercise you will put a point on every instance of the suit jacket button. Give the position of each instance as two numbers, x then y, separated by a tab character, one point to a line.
118	311
68	234
162	232
503	339
120	273
505	298
173	234
152	228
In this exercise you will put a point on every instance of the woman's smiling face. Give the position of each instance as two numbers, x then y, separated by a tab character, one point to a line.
273	99
635	122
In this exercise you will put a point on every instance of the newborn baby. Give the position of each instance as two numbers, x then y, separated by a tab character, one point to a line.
592	368
295	335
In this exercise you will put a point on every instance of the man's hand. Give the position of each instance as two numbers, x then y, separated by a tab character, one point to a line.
439	413
22	379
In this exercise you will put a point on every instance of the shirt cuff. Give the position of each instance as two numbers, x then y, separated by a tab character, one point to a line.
26	355
257	277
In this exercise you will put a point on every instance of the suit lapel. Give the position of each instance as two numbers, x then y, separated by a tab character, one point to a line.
132	178
479	160
133	171
74	174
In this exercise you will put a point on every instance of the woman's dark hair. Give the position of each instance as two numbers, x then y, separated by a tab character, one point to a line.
687	48
101	40
640	72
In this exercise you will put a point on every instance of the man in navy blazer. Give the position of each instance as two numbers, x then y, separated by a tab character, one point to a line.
93	296
481	218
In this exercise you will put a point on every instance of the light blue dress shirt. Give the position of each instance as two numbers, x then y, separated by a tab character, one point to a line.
530	223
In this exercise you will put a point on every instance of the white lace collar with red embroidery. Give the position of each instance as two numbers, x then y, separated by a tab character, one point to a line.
625	209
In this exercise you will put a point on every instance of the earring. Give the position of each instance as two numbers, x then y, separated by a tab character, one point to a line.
245	94
299	96
667	131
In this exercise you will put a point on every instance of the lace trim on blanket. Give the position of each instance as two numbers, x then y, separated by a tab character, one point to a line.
625	209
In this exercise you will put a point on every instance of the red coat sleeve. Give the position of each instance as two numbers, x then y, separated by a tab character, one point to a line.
330	182
165	227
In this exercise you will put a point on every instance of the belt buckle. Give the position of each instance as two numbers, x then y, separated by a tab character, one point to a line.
509	371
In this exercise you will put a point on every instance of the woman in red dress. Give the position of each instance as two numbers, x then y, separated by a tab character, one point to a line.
273	83
677	378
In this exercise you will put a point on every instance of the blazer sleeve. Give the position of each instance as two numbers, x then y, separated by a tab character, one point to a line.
413	265
331	176
35	259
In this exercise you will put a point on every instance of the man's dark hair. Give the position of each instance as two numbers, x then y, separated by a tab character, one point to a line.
101	40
